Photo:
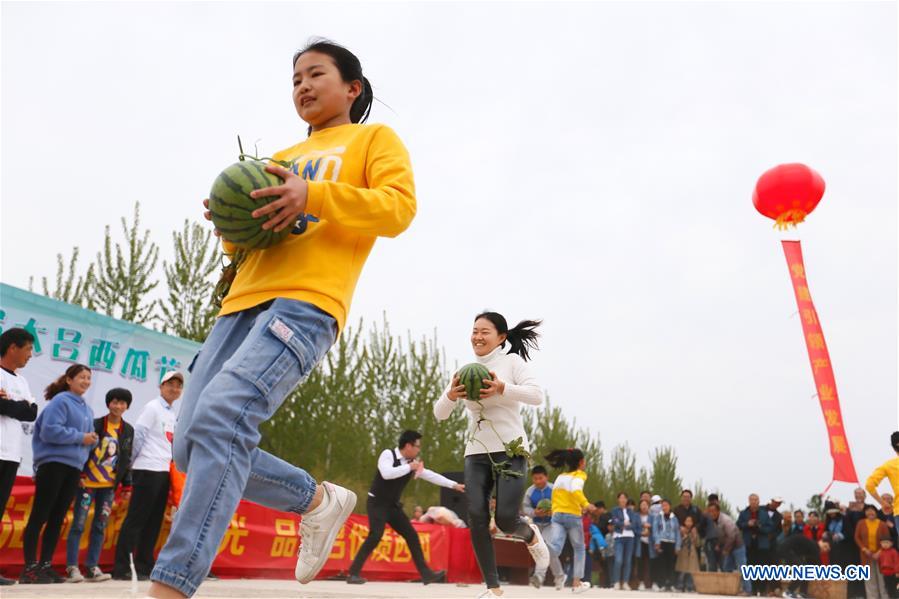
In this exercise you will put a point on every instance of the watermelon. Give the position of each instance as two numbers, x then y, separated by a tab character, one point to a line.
545	504
232	207
472	376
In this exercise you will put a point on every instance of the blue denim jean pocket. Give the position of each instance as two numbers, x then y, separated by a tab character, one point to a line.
281	356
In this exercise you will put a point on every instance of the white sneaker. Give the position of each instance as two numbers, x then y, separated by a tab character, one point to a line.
95	574
319	528
73	574
581	588
488	594
536	581
539	551
560	582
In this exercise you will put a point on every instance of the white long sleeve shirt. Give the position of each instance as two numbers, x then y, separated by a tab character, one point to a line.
504	411
389	471
153	435
12	431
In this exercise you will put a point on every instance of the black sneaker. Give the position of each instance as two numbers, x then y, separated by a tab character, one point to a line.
6	582
34	574
430	577
355	579
52	574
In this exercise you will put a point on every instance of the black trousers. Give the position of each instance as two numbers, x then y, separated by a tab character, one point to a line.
379	515
666	560
7	479
890	582
55	485
480	481
149	496
757	556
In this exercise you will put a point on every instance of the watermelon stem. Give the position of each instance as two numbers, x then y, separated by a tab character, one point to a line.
513	448
283	163
229	271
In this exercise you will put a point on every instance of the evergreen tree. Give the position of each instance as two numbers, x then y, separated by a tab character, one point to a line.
70	286
124	277
187	310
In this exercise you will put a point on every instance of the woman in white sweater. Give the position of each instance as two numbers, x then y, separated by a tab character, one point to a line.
495	425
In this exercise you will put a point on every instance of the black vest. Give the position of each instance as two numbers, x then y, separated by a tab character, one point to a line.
389	491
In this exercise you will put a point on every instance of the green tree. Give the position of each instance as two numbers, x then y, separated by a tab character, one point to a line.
663	478
187	310
816	503
70	286
124	277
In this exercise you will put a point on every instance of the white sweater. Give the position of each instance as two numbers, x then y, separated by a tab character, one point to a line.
502	410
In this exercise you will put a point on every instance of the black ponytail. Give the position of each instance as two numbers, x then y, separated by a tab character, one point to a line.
569	459
522	337
350	70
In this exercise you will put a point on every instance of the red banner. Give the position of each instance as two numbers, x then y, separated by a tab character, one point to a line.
843	468
262	543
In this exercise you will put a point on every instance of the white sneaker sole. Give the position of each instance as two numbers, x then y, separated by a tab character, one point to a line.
329	543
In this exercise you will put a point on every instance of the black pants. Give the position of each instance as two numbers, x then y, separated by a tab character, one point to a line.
890	583
480	481
380	514
665	560
640	568
55	485
7	479
757	556
140	529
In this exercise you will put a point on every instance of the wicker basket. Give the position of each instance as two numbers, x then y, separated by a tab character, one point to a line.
716	583
827	589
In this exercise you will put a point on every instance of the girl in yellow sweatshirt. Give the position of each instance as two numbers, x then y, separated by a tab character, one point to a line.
349	184
568	506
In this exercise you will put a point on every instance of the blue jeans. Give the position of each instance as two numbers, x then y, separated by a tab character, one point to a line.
571	527
624	556
102	500
246	368
733	562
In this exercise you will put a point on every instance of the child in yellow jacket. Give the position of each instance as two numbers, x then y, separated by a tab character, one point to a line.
348	184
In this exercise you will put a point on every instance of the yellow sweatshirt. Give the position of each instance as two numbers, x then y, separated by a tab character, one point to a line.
890	470
360	188
568	493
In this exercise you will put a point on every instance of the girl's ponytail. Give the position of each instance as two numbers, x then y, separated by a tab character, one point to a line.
361	107
567	459
523	338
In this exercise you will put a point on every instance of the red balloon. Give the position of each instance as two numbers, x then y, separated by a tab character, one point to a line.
788	193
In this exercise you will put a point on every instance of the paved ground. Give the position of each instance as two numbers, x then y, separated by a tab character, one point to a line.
268	589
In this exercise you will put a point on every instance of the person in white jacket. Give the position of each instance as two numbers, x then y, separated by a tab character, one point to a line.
494	426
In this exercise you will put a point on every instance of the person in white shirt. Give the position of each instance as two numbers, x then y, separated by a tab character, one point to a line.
150	462
16	407
396	467
495	424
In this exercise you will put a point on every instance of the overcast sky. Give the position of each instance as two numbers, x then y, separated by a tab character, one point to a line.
593	163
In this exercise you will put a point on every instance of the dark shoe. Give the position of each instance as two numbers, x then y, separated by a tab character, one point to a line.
430	577
355	579
6	582
34	574
52	574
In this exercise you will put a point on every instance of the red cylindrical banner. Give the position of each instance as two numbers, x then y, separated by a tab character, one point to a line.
843	468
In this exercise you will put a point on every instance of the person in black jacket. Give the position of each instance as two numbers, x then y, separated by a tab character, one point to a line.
107	467
396	467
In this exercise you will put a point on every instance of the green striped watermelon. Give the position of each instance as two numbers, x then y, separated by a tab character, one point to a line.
231	205
472	376
545	504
